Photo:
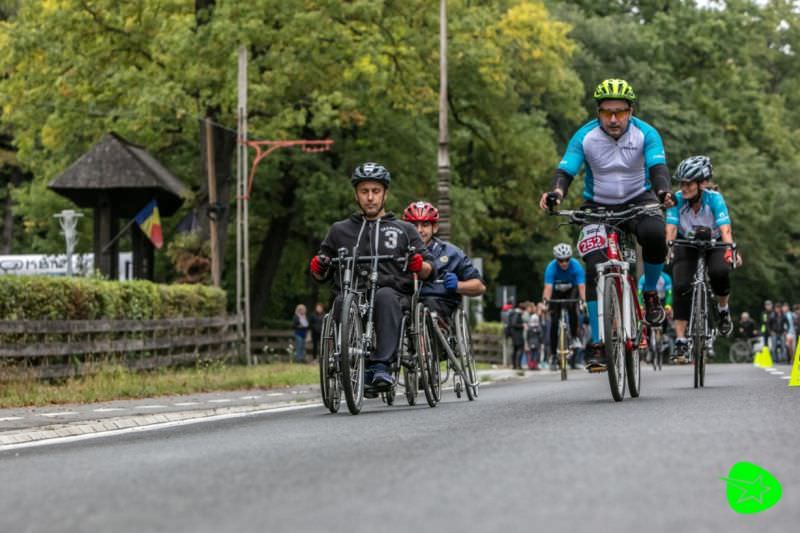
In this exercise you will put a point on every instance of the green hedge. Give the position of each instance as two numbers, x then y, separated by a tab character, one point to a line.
492	328
62	298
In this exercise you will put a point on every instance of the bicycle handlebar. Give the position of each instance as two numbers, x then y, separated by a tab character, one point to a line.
603	215
713	243
564	301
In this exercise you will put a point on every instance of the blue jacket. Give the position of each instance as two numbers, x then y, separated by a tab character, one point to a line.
448	257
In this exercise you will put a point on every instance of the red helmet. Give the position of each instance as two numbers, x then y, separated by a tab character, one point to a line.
421	212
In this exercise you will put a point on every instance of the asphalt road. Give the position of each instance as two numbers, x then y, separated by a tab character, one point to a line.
531	455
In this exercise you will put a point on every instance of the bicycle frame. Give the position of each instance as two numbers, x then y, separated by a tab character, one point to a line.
619	270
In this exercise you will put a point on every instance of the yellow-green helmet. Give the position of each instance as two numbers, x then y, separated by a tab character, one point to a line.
614	89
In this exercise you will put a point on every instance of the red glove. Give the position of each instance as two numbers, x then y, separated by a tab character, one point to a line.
415	263
319	265
729	256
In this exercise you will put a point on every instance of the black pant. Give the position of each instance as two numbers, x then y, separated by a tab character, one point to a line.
441	306
315	335
650	232
684	266
387	315
555	316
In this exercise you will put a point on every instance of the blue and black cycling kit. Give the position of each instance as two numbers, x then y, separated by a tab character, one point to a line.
713	213
564	280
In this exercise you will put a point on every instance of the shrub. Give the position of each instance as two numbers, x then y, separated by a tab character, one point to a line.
62	298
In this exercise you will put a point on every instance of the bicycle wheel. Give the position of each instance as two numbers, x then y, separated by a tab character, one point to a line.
328	373
633	356
614	337
740	351
352	356
427	362
563	347
698	322
471	381
659	355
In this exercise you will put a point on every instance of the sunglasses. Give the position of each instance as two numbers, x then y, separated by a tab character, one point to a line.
562	261
620	113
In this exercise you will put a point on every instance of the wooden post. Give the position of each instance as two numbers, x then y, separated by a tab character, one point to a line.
212	200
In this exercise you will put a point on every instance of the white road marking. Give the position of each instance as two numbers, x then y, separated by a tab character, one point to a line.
152	427
109	409
777	373
151	407
276	394
221	400
62	413
254	397
184	404
10	418
786	377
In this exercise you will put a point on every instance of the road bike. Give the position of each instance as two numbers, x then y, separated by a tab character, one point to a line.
704	318
622	329
564	336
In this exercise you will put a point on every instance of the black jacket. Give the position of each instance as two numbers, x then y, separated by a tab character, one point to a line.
395	238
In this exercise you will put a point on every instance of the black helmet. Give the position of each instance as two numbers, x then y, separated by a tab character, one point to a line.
695	168
371	172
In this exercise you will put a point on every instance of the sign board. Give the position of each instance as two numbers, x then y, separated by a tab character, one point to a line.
504	293
56	265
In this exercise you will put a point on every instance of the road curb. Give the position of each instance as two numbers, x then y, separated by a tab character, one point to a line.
114	424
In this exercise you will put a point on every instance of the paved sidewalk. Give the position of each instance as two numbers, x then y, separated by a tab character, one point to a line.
29	424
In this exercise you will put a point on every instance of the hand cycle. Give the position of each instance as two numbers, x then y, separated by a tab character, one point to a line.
743	350
454	338
703	320
621	320
348	342
564	338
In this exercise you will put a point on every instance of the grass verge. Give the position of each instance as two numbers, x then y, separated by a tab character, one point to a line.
118	383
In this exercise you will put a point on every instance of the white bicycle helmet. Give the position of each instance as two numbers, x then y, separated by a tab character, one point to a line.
562	250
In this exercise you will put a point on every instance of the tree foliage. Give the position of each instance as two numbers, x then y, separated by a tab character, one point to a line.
365	73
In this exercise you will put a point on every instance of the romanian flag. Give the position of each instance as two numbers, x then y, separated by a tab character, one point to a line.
150	222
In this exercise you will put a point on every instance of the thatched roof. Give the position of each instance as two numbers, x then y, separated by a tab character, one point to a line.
124	171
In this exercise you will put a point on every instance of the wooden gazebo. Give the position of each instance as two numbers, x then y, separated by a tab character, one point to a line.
117	179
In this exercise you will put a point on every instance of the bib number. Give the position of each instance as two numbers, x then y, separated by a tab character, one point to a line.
592	238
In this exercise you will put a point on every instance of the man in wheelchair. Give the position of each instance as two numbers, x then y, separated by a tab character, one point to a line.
373	231
456	275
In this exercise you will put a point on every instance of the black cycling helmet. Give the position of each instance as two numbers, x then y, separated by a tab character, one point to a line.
696	168
371	172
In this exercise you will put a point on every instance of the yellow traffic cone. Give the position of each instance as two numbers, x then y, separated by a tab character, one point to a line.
766	362
758	360
795	379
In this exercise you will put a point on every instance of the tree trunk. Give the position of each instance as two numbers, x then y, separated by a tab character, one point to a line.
269	257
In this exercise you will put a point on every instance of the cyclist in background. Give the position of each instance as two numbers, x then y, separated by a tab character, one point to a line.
372	230
564	279
663	287
624	164
696	208
457	276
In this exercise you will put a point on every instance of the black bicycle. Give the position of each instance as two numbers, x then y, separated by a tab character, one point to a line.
704	318
349	341
454	338
564	343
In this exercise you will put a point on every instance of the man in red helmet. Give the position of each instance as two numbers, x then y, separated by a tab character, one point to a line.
456	274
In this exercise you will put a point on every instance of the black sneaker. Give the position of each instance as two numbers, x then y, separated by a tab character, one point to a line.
725	323
654	311
596	357
681	355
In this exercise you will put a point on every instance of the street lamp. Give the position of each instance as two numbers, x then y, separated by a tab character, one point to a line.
68	220
443	155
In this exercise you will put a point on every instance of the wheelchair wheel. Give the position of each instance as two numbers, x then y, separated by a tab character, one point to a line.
411	381
467	357
427	362
329	383
352	356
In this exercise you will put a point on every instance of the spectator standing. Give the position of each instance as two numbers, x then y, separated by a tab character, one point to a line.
544	316
747	326
300	326
516	326
315	325
533	336
789	330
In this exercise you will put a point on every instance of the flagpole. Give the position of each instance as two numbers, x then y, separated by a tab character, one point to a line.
117	236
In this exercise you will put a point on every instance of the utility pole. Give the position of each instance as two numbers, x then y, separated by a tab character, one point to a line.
242	206
212	201
443	155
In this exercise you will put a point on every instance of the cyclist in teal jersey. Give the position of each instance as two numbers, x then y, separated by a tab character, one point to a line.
697	207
